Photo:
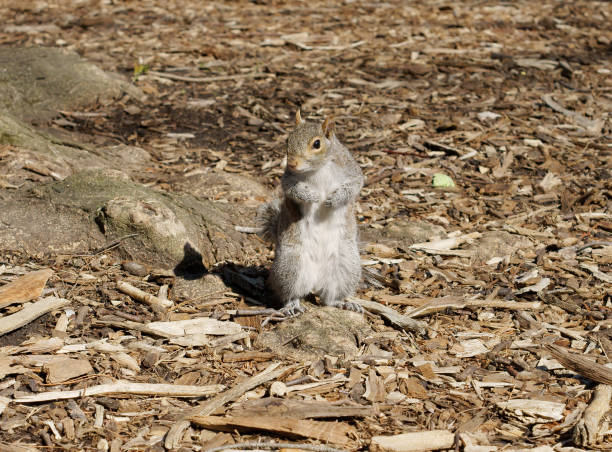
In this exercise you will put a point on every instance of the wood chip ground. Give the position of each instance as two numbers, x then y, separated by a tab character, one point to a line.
511	100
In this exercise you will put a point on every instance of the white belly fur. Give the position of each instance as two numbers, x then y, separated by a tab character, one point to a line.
321	230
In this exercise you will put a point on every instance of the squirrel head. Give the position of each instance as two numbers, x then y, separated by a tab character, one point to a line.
308	145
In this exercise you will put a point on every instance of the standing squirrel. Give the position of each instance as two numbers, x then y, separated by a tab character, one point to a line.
313	224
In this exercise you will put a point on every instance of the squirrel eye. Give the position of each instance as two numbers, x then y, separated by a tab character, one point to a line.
316	144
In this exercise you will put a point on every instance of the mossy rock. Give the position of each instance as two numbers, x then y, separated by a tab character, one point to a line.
91	208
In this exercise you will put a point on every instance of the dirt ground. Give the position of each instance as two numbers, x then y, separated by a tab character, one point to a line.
510	100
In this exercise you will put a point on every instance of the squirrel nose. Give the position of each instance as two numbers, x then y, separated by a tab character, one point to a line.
293	163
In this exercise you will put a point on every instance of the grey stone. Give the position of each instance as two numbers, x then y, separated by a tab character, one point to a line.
317	332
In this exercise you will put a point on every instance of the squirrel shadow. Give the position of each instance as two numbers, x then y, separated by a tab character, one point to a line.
249	281
191	266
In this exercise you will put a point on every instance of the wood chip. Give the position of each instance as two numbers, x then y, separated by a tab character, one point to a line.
582	365
30	312
332	432
124	387
25	288
66	369
415	441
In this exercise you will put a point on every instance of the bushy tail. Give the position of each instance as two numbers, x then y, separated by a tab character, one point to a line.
267	218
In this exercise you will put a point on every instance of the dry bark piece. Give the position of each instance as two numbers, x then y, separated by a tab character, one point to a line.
586	431
332	432
391	315
201	325
533	411
415	441
66	369
25	288
300	409
451	302
375	389
30	312
17	448
125	387
175	433
582	365
180	328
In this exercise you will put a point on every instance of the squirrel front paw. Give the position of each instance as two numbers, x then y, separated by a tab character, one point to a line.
292	308
303	192
336	198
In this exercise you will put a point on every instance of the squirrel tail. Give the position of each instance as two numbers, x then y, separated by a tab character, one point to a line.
267	217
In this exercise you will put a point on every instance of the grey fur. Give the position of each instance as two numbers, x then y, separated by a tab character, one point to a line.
267	217
289	222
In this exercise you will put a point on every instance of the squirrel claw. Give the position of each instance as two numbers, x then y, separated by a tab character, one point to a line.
292	308
346	305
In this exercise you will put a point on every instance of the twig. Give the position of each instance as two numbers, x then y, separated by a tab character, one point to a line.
586	430
271	318
519	217
582	121
110	246
344	47
249	312
272	445
377	178
137	294
391	315
125	387
30	312
249	229
441	304
582	365
592	245
175	433
217	78
129	325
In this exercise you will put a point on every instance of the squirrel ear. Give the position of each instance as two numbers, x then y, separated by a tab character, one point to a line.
328	126
298	118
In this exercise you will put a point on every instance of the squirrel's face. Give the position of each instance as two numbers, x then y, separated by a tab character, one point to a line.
308	145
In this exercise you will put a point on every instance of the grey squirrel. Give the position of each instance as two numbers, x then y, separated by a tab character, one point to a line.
313	224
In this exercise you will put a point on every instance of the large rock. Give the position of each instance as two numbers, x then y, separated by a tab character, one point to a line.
317	332
37	82
91	208
35	152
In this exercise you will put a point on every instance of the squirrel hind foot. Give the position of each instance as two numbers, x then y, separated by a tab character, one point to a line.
293	308
346	305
